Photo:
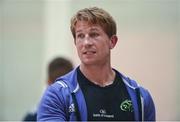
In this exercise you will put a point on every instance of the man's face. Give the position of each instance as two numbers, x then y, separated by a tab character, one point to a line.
92	43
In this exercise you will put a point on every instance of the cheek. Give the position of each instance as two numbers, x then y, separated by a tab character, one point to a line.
78	47
106	45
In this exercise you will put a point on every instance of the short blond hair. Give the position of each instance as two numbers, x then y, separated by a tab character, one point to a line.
97	16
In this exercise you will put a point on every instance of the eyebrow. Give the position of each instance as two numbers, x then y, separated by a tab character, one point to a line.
92	29
78	31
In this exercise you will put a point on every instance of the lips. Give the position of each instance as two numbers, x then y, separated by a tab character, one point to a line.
89	52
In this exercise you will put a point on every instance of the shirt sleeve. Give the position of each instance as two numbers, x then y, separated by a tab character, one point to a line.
149	108
52	106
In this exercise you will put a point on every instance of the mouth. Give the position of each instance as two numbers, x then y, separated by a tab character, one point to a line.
89	52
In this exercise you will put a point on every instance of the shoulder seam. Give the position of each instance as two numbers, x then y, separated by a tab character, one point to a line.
128	84
62	83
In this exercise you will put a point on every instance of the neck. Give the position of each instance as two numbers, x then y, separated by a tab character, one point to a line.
99	75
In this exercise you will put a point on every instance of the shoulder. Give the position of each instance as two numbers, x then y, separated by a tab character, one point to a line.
69	80
53	102
56	90
62	86
133	84
128	81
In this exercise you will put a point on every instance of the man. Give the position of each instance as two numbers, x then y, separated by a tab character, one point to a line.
57	67
94	90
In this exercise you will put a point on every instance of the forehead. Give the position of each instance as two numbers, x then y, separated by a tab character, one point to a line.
86	26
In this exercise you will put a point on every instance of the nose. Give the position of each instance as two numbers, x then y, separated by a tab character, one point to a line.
87	41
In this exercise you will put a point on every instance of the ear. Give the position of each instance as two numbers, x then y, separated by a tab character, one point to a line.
113	41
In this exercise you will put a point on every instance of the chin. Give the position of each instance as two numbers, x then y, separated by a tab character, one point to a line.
88	62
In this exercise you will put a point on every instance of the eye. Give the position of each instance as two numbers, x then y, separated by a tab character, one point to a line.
94	34
80	35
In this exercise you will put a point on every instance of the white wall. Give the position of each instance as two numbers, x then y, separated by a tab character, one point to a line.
178	60
1	83
57	42
22	49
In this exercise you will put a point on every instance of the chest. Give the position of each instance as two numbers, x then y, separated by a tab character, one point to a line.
109	103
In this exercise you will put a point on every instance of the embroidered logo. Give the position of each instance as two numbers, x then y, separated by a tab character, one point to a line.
71	108
127	106
103	114
102	111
